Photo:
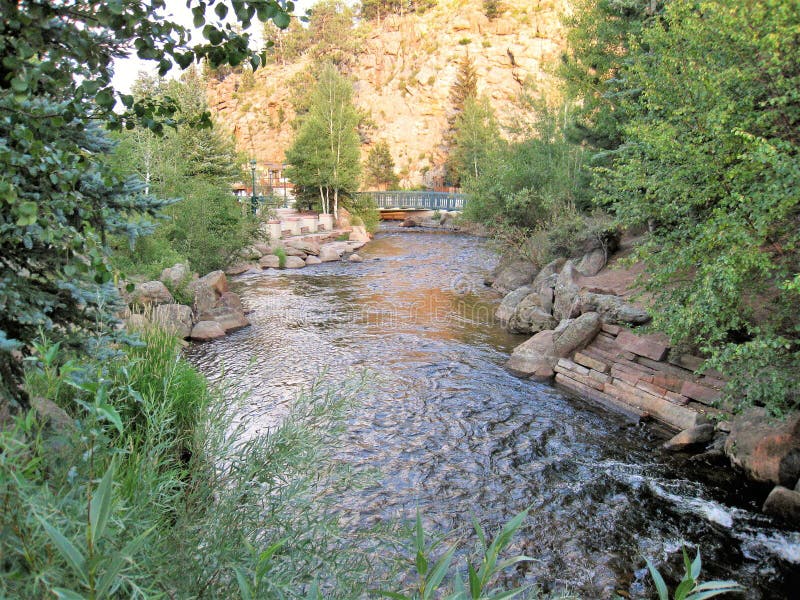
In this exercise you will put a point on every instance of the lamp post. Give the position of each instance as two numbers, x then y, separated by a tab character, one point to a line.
253	198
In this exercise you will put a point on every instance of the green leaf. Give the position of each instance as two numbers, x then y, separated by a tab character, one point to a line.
244	584
438	572
105	99
474	583
281	20
658	581
19	85
119	559
421	563
67	549
101	504
28	213
696	566
394	595
68	594
221	9
683	589
109	413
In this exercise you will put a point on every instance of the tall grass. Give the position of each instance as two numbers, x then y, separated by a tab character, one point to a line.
155	493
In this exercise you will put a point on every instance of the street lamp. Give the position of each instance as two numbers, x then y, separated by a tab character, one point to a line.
253	198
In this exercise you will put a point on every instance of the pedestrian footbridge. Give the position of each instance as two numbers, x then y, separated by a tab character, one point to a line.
397	205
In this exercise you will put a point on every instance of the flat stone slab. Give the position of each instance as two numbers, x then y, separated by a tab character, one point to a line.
653	346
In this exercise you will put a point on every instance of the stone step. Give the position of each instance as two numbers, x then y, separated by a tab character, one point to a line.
671	414
609	403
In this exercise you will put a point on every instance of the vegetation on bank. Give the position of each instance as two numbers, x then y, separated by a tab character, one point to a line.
681	122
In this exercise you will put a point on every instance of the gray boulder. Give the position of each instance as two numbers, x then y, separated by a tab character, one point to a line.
176	275
548	276
576	334
295	262
269	261
530	316
328	254
534	358
592	262
174	318
509	304
151	293
689	438
231	300
513	275
207	330
784	504
205	298
566	304
229	319
613	309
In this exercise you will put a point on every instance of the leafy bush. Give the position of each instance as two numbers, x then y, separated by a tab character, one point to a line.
363	208
281	254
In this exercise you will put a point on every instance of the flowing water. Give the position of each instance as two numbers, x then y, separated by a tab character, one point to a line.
454	435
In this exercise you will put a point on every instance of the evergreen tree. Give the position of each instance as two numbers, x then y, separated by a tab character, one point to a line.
379	167
465	87
61	200
325	153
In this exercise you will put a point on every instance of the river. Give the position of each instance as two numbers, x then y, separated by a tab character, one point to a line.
455	435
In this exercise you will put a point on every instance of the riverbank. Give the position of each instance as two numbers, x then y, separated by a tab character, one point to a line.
590	338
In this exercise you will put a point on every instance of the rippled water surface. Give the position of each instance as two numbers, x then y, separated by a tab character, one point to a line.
455	435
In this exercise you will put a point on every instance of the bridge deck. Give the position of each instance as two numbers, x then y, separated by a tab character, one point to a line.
399	200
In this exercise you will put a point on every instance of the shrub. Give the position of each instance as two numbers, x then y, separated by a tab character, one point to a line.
281	254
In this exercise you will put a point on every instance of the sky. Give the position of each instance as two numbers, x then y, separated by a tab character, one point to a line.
127	70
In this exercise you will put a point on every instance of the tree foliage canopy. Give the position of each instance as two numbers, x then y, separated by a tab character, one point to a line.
379	167
325	155
60	200
710	161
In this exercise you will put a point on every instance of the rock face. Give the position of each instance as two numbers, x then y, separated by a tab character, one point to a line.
784	504
151	293
403	74
176	275
175	318
766	449
207	330
688	438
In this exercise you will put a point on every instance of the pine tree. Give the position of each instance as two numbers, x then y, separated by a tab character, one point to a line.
476	136
379	167
465	87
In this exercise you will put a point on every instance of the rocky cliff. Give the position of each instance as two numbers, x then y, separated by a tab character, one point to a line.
402	77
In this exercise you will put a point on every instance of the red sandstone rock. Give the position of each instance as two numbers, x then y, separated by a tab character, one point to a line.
653	346
701	393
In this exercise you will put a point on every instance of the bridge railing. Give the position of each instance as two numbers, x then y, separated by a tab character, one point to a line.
419	200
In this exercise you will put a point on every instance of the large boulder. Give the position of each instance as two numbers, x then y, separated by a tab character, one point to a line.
177	275
229	319
566	304
231	300
327	253
250	253
238	268
355	258
304	246
269	261
359	234
215	280
205	298
534	358
151	293
313	260
174	318
548	276
296	252
592	262
765	448
514	274
613	309
207	330
295	262
509	304
576	334
690	438
530	316
784	504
